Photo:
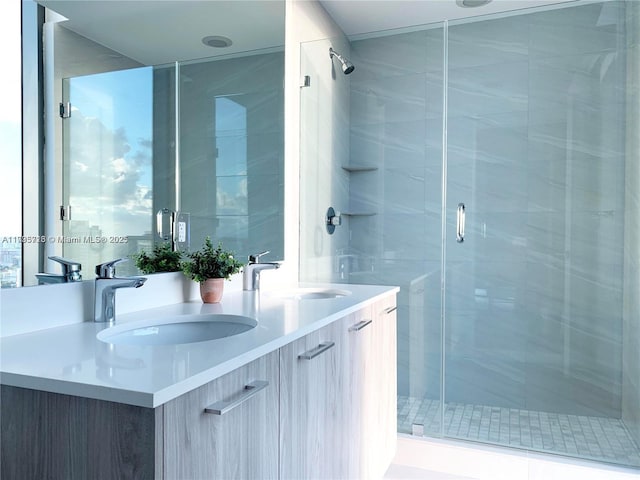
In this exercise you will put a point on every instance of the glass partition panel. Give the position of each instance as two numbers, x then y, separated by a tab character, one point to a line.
324	151
108	166
397	130
380	165
231	162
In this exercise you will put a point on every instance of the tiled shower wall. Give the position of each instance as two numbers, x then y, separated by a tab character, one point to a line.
396	128
536	151
631	305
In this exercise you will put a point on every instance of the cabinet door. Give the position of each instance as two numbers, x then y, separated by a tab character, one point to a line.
313	440
371	373
384	363
240	441
362	391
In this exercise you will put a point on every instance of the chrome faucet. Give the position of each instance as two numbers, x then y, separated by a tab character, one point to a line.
70	272
106	285
251	272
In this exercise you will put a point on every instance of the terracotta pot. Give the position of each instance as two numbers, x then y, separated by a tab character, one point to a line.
211	290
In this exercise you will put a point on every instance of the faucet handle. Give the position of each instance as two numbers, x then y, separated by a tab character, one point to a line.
108	269
67	265
255	258
70	268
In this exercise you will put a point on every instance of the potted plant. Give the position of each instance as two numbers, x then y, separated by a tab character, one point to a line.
211	267
161	259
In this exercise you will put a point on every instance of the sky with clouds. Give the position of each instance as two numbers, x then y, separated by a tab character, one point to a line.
109	169
10	120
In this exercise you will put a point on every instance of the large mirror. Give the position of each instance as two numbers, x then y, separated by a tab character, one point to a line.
162	106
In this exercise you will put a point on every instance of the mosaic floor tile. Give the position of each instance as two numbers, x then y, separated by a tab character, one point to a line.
595	438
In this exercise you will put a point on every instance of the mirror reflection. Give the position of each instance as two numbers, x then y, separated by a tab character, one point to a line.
107	165
200	134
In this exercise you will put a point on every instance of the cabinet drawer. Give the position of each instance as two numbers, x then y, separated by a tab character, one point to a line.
227	429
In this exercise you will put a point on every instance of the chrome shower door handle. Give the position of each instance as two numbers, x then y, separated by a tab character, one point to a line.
164	223
460	223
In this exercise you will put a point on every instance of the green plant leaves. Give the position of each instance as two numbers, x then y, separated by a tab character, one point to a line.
161	259
210	262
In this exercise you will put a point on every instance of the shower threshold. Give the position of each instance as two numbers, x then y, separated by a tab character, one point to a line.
594	438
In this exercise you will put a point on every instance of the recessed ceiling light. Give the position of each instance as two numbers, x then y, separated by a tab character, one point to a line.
472	3
217	41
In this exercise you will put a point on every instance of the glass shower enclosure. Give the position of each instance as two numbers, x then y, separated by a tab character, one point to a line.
491	168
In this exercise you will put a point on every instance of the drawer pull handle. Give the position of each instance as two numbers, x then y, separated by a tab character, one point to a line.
222	407
360	325
314	352
390	310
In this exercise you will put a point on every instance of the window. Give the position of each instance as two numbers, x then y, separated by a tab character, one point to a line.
232	206
11	148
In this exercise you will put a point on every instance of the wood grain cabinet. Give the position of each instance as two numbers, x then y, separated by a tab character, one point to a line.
371	373
321	407
362	392
226	429
52	436
385	407
313	412
338	398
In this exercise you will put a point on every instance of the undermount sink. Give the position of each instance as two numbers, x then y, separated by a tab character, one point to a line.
178	329
311	293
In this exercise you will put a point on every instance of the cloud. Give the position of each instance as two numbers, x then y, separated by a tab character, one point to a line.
106	177
232	196
83	167
145	143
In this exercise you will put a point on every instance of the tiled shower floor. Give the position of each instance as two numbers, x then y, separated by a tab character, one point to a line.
597	438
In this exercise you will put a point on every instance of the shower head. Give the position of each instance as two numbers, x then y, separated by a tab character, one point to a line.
347	66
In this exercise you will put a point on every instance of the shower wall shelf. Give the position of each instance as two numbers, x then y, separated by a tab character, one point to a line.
362	168
359	214
358	169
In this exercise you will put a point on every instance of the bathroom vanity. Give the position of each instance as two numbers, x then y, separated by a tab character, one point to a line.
310	392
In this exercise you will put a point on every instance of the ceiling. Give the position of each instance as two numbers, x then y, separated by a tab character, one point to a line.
364	16
155	32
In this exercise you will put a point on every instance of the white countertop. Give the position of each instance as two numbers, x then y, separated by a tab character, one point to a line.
71	360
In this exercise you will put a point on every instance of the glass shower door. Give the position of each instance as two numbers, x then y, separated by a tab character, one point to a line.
107	166
486	230
536	157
